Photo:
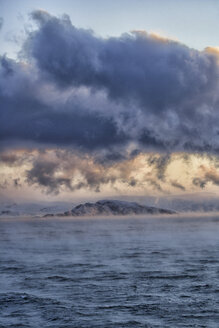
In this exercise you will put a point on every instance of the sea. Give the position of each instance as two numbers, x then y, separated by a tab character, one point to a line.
109	272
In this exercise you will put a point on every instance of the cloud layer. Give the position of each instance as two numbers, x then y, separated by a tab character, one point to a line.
109	99
73	88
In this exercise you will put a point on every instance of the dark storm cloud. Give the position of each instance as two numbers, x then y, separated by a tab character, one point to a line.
25	117
154	93
155	73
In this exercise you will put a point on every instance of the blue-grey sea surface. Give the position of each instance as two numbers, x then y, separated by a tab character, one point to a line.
110	272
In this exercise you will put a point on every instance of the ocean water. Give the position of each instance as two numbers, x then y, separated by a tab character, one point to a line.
128	272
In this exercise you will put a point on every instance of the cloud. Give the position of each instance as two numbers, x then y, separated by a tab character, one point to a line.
26	116
134	67
155	184
14	158
208	174
8	158
213	176
160	163
55	171
3	184
17	183
213	50
73	89
1	22
178	185
42	174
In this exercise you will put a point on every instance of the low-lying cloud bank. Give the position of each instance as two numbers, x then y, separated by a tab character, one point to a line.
57	171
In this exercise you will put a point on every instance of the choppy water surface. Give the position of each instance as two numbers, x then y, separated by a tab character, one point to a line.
151	272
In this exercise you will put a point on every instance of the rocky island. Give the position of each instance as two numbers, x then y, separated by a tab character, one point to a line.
112	207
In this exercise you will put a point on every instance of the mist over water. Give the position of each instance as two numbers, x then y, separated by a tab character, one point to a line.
128	272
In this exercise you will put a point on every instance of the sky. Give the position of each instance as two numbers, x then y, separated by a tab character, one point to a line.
103	99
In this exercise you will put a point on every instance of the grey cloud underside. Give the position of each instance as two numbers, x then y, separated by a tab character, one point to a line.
43	126
43	175
24	116
159	95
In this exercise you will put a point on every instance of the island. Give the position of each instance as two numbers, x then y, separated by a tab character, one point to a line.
112	207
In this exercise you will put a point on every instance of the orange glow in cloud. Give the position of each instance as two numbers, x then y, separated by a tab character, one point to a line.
74	174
